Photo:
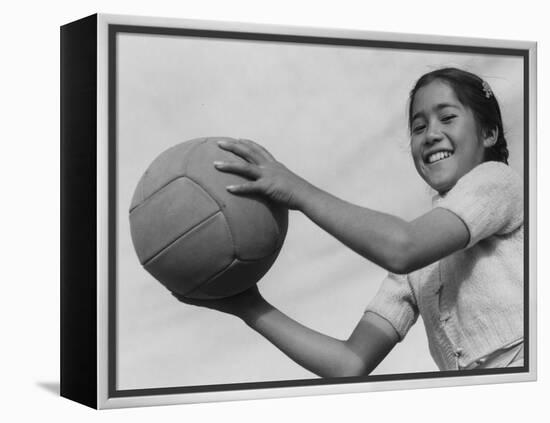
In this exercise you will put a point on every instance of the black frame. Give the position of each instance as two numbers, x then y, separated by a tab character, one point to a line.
78	361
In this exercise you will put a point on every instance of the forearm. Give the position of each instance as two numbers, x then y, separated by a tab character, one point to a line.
381	238
391	242
321	354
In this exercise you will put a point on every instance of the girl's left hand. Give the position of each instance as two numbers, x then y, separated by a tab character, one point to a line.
266	175
245	305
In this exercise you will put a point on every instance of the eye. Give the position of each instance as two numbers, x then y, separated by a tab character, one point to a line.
416	129
448	118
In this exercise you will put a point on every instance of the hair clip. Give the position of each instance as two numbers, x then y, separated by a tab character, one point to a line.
487	89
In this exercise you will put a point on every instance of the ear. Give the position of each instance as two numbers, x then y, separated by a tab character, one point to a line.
490	137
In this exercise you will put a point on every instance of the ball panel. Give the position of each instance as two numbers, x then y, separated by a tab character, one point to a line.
168	166
168	214
239	276
195	257
256	232
138	196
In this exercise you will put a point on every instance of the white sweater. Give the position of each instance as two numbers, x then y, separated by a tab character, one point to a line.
472	301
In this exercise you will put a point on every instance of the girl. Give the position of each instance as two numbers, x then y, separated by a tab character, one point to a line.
459	266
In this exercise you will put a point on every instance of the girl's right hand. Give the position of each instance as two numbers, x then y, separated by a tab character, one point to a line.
243	305
266	176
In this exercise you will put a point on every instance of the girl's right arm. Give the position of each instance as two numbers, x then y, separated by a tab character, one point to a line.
372	339
396	245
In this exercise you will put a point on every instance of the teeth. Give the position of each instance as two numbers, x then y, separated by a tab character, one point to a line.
440	155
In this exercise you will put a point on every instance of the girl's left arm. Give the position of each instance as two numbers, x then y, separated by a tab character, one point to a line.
392	243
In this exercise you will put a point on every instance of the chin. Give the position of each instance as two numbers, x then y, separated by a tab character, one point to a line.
443	189
441	185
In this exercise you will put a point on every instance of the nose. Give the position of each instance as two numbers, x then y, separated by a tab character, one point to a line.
433	134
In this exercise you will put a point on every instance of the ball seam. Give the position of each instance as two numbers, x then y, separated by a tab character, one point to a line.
213	197
179	237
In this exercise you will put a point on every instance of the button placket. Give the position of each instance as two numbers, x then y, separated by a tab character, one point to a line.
481	361
445	317
458	354
456	351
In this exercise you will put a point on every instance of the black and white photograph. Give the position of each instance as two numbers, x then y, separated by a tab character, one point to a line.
274	211
306	209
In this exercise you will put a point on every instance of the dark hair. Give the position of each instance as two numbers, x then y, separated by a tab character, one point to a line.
472	92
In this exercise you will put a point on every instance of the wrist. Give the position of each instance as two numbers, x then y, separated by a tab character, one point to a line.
305	194
309	198
254	311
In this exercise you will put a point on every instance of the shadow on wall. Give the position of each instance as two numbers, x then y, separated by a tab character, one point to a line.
51	387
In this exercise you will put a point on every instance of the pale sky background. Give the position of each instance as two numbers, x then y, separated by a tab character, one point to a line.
334	115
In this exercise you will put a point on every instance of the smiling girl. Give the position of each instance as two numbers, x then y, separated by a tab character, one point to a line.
459	266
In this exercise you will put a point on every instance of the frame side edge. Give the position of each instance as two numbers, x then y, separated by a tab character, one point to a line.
78	315
533	199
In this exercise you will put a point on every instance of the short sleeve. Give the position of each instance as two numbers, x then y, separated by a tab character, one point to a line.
488	199
396	303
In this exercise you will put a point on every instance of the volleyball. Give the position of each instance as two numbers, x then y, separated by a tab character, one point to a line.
192	235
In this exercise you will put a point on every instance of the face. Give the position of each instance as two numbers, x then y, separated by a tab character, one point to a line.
445	140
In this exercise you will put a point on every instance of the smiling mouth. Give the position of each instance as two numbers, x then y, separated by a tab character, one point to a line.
437	157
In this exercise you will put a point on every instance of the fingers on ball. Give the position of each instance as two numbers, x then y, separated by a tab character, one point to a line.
265	154
246	149
246	188
244	169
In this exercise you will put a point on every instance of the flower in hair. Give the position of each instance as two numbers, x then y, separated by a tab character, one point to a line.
487	89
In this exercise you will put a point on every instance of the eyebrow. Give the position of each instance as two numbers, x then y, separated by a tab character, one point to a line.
438	107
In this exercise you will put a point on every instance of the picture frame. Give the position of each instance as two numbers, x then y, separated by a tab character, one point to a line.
332	105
